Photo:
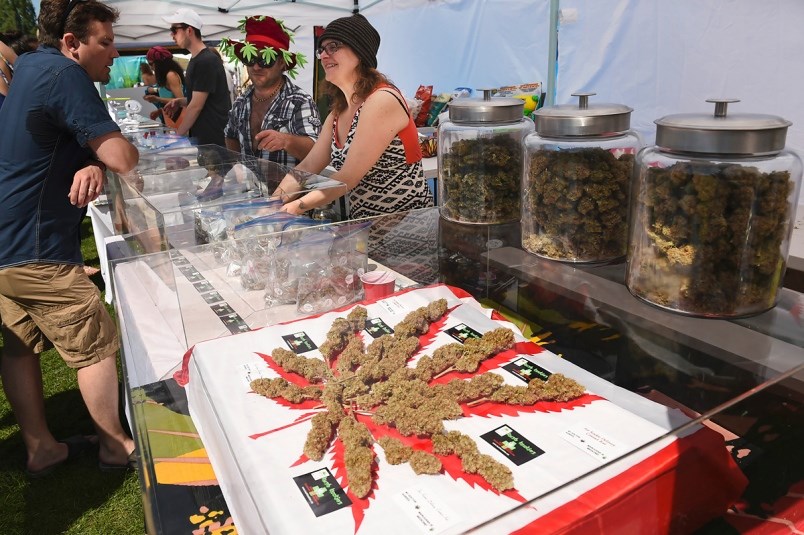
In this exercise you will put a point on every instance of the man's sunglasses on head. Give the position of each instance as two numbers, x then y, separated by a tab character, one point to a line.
174	29
67	12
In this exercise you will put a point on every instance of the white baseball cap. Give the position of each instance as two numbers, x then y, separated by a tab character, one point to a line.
185	16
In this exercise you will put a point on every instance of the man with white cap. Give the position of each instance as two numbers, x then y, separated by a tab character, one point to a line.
207	98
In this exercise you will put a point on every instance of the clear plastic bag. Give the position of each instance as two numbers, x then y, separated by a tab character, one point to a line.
329	287
256	242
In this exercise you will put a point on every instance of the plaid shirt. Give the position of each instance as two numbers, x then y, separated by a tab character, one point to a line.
292	111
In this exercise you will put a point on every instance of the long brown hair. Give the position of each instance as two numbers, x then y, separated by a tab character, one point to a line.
368	79
161	69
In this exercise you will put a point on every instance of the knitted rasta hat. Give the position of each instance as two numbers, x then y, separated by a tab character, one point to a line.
358	33
266	38
158	52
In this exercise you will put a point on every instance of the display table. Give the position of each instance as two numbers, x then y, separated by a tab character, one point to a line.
622	350
256	444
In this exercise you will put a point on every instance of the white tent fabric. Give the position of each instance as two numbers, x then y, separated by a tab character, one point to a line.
444	43
656	56
664	57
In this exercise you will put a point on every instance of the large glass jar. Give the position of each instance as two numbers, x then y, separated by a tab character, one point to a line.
480	159
712	213
576	182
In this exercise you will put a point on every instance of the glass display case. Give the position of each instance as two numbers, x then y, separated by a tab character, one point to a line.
171	195
671	402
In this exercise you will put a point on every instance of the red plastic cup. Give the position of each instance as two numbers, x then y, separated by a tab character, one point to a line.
377	284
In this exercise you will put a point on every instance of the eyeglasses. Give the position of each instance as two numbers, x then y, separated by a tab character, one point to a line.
174	29
67	12
330	48
261	62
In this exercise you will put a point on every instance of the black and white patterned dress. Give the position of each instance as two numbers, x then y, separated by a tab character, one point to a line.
391	186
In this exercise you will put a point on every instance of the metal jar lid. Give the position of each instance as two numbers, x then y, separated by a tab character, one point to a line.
486	109
582	120
744	134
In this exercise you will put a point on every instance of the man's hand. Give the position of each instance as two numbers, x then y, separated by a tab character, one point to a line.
171	106
154	115
87	184
271	140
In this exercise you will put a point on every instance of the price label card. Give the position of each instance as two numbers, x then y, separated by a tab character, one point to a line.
593	442
426	511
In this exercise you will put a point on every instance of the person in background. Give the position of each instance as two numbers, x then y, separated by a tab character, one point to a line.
26	43
19	42
7	59
169	81
56	142
274	119
206	99
147	75
369	136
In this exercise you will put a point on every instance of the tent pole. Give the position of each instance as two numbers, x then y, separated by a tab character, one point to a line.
552	52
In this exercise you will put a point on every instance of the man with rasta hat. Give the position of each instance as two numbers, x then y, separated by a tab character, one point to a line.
207	98
369	136
274	119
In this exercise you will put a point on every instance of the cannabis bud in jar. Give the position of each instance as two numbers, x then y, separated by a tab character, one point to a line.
577	201
577	179
713	206
481	180
480	160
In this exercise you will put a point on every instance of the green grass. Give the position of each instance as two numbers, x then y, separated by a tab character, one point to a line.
77	498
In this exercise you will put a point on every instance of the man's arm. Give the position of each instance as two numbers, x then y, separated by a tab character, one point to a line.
115	152
192	111
296	146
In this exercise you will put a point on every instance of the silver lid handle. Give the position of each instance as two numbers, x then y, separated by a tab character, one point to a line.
722	105
583	99
486	92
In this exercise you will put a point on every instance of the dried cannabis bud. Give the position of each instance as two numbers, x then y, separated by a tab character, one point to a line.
474	462
481	179
378	379
576	204
358	455
708	237
319	437
278	387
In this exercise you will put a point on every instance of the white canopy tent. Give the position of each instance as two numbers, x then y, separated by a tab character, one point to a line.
657	57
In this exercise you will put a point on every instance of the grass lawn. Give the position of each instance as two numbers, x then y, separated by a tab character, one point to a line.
77	498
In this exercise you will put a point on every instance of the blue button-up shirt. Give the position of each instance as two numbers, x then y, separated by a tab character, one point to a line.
52	110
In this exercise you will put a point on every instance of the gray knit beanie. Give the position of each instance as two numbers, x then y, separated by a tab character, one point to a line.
358	33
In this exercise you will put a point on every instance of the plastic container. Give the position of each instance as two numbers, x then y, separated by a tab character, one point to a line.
576	182
480	159
712	214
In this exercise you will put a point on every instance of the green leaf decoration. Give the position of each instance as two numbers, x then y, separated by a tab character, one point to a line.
268	54
227	49
248	51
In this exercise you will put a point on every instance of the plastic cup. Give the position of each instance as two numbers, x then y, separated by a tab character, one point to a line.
377	284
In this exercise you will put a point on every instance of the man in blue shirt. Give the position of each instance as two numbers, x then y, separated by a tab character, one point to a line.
56	142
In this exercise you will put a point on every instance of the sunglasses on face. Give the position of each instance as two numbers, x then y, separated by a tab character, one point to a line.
174	29
330	48
261	62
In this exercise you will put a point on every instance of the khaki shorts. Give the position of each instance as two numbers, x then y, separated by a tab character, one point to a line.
56	303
